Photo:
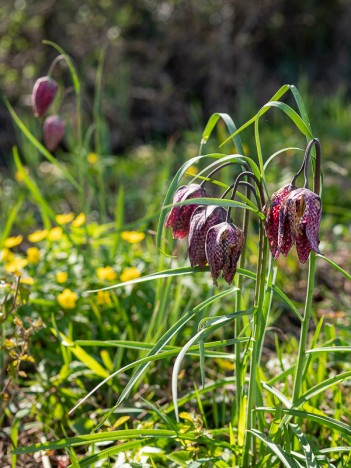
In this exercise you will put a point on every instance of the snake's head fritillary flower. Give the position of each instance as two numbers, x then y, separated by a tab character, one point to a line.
224	244
179	216
203	218
43	95
53	130
271	210
300	219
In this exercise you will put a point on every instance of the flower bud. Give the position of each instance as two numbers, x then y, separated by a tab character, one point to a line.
44	92
179	216
53	129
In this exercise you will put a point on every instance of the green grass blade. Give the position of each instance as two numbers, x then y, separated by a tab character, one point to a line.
335	266
11	218
331	423
210	326
310	458
293	115
83	356
46	212
108	436
301	105
286	460
41	148
277	153
276	96
230	126
69	62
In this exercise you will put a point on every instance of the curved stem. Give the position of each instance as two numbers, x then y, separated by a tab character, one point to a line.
302	360
54	63
246	165
236	183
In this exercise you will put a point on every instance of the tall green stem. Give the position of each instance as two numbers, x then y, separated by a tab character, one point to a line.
257	333
301	360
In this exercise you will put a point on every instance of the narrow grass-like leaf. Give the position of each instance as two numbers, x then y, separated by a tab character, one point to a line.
108	436
331	423
46	211
293	115
326	349
310	458
90	460
230	126
321	387
286	460
211	325
282	398
153	354
277	153
41	148
276	96
83	356
335	266
301	105
11	218
69	62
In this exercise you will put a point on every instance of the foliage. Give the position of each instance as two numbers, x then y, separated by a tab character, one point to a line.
91	329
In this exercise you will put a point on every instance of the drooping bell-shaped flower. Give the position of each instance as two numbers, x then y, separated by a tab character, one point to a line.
43	95
272	210
300	219
202	219
224	244
53	131
179	216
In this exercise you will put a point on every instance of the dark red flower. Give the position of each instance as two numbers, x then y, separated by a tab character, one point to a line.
202	219
179	216
224	244
271	210
43	94
300	218
53	129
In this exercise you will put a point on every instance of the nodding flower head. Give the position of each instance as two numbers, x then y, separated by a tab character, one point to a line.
299	221
271	210
179	216
53	129
202	219
43	94
224	244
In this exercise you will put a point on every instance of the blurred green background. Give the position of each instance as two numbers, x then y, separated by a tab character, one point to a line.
170	64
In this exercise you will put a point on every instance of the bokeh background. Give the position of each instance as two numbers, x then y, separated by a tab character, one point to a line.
170	64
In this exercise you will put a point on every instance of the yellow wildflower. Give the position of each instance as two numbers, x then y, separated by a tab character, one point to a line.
133	237
93	158
103	297
27	280
106	273
64	218
33	255
61	276
192	170
13	241
67	299
16	265
38	236
55	234
7	255
79	221
129	274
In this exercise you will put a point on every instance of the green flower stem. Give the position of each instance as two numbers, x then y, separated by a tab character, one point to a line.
258	335
238	322
301	360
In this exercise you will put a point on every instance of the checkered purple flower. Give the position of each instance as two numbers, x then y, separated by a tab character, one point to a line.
272	210
202	219
299	221
224	244
179	216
